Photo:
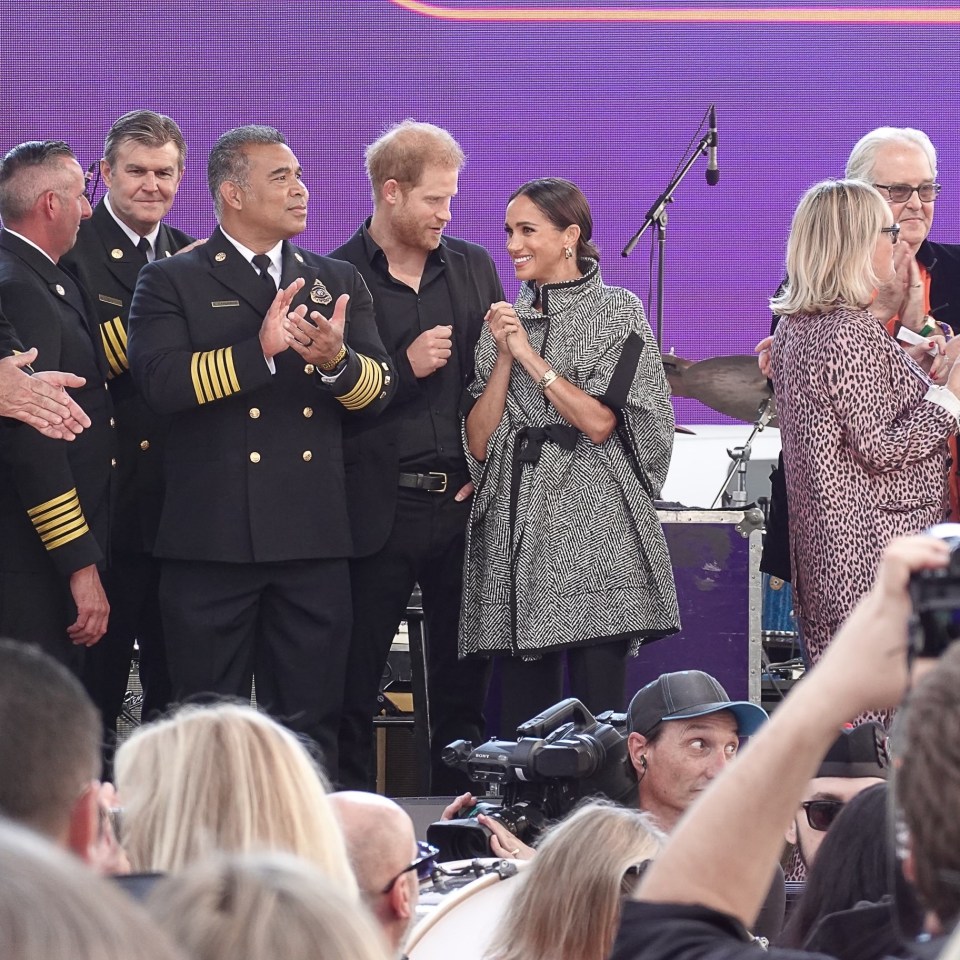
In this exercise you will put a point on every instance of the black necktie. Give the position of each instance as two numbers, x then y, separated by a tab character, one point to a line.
262	262
144	247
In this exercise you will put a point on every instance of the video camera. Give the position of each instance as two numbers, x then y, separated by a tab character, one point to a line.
935	621
560	757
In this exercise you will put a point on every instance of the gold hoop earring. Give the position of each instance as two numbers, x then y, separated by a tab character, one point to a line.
568	252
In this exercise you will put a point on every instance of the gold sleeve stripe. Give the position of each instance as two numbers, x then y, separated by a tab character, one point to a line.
115	345
60	520
195	376
367	388
214	375
41	508
232	380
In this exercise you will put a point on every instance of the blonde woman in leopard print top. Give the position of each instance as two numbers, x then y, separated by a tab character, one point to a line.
863	423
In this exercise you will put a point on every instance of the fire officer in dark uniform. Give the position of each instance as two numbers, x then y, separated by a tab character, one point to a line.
254	532
54	496
143	161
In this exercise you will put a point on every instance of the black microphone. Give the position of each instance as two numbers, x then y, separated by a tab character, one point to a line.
713	172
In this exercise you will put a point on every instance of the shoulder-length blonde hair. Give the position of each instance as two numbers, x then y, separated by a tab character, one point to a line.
224	779
830	249
251	907
580	865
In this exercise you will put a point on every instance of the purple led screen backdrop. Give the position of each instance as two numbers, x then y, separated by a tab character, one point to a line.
606	94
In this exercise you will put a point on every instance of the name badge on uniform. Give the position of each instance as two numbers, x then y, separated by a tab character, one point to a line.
224	303
319	293
103	298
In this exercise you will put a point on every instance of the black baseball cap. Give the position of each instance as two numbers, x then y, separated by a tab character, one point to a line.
684	695
858	752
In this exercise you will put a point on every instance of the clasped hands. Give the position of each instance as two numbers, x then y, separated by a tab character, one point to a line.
507	330
317	339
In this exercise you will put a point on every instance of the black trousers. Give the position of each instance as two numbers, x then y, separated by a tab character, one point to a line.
36	607
425	546
132	583
286	623
596	673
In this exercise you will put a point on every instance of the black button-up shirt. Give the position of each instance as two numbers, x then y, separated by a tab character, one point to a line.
429	437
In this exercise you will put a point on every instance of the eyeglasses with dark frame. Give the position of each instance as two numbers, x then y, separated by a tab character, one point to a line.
426	855
893	230
902	192
821	813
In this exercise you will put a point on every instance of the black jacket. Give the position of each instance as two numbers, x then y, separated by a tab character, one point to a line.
371	446
108	264
254	460
54	495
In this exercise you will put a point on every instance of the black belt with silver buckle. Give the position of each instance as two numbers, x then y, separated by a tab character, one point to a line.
431	482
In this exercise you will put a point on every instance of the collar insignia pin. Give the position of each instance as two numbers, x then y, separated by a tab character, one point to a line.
319	293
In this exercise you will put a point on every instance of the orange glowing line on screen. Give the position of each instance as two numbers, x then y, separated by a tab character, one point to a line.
694	14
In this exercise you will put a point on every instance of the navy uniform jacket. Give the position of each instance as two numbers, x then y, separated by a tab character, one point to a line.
107	264
54	495
9	341
254	461
373	459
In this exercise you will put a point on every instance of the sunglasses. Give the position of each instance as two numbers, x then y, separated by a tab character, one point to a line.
426	856
821	813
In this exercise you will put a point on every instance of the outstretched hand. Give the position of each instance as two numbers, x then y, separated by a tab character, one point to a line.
40	400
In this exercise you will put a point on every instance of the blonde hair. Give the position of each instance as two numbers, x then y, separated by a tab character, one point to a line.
580	864
830	249
405	150
259	907
52	907
224	778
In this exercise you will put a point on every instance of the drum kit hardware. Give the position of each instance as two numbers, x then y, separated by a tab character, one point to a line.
463	920
733	386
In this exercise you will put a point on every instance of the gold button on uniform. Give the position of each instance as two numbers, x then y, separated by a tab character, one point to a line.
113	422
254	457
60	290
254	413
116	253
309	368
144	444
307	456
113	462
308	412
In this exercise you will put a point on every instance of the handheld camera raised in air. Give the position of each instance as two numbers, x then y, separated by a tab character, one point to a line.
935	621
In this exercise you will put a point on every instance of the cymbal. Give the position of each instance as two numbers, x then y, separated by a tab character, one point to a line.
730	385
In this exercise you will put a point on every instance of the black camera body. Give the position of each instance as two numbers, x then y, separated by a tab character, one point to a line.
560	757
935	621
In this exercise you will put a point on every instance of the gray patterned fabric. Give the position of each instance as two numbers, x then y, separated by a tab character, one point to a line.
586	559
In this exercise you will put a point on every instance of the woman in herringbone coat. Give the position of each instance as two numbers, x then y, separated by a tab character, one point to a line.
568	439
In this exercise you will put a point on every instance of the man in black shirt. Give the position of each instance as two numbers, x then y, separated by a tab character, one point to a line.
407	477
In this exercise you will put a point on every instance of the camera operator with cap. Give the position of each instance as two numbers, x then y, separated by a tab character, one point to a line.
857	760
683	730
